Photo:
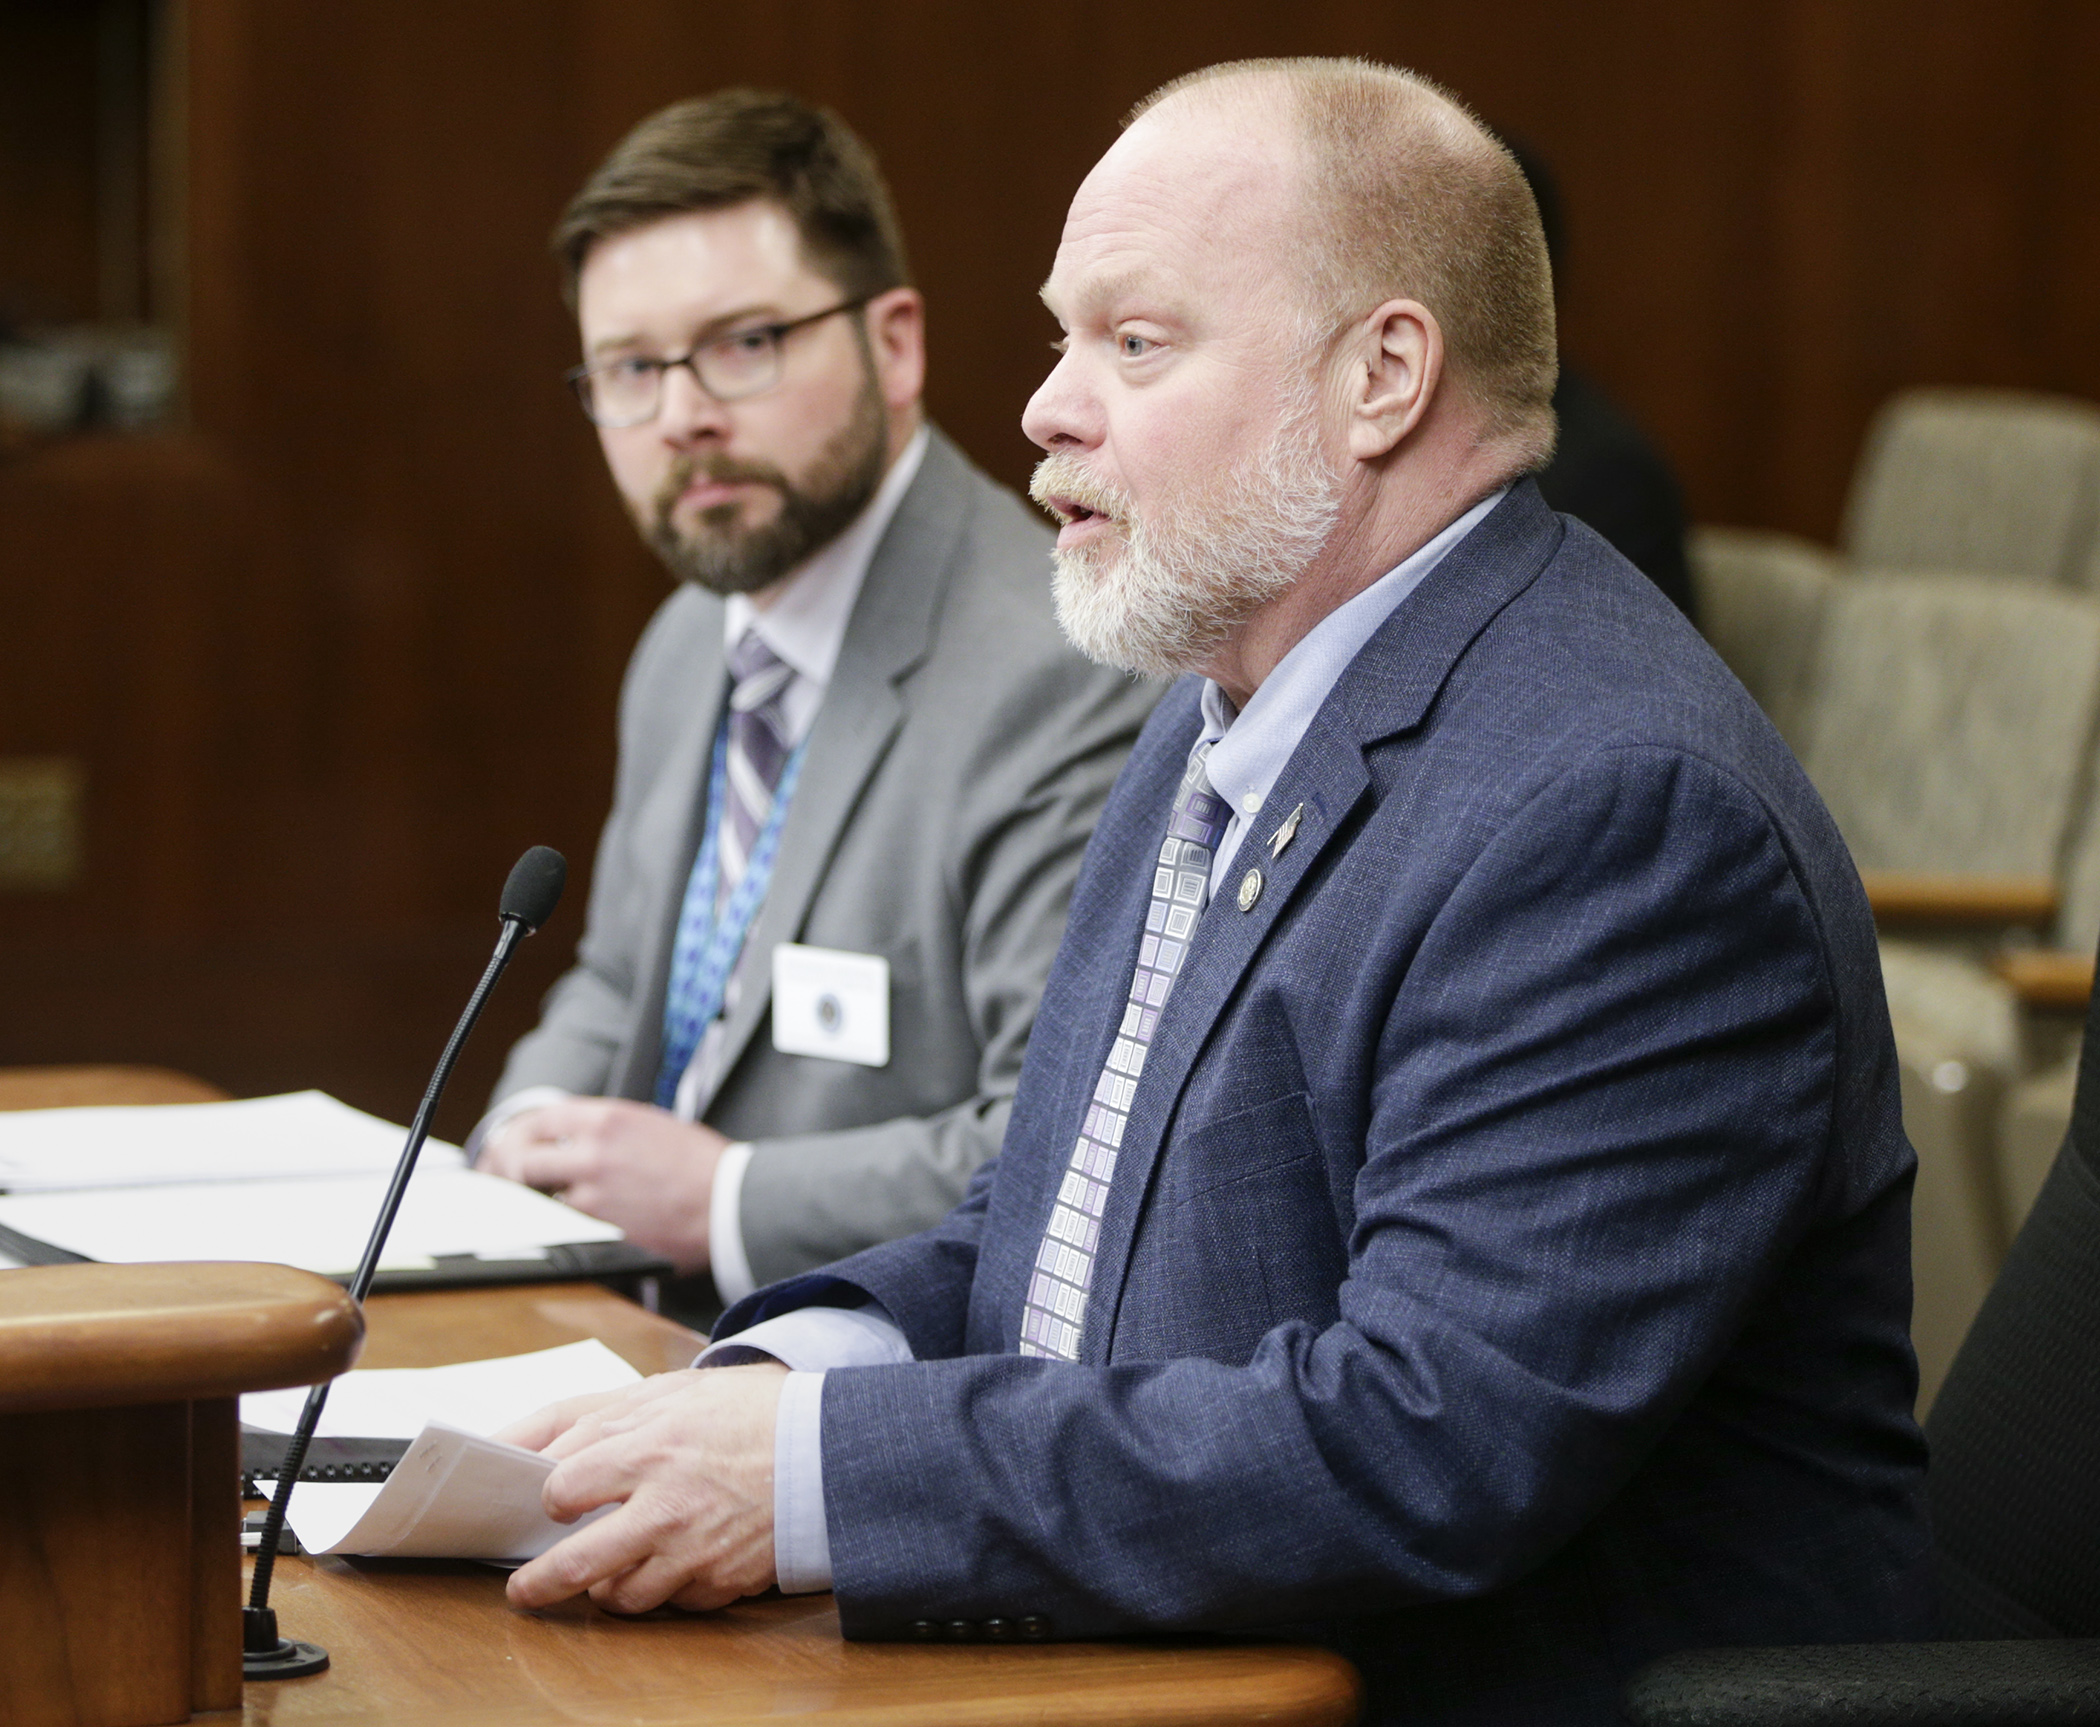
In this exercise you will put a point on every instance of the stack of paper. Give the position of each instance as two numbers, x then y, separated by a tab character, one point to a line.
318	1224
305	1133
294	1180
456	1494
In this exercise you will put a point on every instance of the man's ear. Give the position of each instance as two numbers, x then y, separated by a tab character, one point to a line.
897	340
1396	370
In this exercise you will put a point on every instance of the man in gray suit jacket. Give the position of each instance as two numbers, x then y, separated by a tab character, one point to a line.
858	762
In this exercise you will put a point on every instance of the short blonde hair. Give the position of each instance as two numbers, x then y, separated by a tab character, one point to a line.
1412	197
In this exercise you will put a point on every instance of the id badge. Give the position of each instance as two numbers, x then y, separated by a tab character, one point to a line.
831	1003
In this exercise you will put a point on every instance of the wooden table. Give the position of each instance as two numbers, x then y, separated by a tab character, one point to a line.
418	1642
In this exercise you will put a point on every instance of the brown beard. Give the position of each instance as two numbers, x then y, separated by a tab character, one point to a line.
726	559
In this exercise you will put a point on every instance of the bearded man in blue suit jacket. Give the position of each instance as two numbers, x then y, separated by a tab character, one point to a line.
1455	1206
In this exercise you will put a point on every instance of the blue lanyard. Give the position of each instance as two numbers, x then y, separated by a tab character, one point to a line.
706	948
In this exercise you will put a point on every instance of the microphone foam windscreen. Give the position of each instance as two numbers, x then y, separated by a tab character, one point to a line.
535	885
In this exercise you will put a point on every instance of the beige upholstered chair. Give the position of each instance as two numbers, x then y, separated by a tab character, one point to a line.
1986	482
2030	1129
2035	1112
1951	719
1760	602
2015	1015
1950	731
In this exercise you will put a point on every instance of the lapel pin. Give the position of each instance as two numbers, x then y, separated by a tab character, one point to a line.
1250	889
1286	833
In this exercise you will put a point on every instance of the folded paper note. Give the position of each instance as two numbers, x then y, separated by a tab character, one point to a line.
455	1494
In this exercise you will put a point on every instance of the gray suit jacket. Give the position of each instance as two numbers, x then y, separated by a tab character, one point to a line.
961	756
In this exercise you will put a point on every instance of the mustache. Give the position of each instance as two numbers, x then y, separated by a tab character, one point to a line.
1063	475
714	465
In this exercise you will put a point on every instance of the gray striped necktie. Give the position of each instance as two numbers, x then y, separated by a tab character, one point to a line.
1064	1264
759	747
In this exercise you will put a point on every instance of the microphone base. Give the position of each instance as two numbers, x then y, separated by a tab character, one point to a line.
265	1655
289	1660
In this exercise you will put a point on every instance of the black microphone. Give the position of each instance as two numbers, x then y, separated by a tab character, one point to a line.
529	899
534	888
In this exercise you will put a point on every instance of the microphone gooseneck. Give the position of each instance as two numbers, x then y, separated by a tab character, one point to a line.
529	899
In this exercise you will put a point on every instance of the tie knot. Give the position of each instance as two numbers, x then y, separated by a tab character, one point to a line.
1199	814
758	674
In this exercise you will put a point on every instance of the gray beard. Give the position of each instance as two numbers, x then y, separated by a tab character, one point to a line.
719	556
1187	577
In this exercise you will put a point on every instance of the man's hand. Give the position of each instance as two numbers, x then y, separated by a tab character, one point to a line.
691	1456
629	1163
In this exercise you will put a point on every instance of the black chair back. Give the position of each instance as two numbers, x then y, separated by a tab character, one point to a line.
2015	1431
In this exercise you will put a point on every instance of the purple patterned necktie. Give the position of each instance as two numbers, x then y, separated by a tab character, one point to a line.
1064	1264
759	747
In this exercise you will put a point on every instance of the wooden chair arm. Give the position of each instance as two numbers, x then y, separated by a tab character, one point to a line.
1913	897
2047	977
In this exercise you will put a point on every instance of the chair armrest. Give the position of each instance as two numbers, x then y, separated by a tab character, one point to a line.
2047	977
1911	897
2021	1684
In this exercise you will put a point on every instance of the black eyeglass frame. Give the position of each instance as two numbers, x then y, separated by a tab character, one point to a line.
578	378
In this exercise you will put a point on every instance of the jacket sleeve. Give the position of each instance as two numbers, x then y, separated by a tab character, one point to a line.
922	1283
1600	1111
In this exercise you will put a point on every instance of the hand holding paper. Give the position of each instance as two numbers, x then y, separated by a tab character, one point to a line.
455	1495
689	1459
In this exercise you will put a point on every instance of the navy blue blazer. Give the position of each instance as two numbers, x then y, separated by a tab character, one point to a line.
1506	1273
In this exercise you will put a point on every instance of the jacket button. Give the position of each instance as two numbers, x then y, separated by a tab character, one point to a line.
925	1630
962	1630
999	1630
1035	1628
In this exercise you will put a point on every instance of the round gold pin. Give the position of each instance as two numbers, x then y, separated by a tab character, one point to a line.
1250	889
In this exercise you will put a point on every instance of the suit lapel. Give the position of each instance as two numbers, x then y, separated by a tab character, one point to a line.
890	632
1329	782
1386	690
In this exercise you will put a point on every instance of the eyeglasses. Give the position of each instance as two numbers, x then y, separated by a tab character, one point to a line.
629	391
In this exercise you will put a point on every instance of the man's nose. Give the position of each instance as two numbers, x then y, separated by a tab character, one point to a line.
1063	412
685	413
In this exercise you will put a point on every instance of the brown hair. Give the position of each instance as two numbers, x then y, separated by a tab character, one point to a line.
1412	197
712	152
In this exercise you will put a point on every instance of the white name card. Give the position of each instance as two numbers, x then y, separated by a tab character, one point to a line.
830	1003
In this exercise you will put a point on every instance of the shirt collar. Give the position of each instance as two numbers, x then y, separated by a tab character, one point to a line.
806	625
1251	745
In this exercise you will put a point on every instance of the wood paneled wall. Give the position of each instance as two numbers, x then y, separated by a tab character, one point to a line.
341	650
48	143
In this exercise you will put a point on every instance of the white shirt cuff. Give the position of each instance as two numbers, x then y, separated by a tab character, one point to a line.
810	1339
513	1106
725	1232
801	1538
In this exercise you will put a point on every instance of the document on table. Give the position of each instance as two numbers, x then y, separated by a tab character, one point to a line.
318	1223
302	1134
456	1494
